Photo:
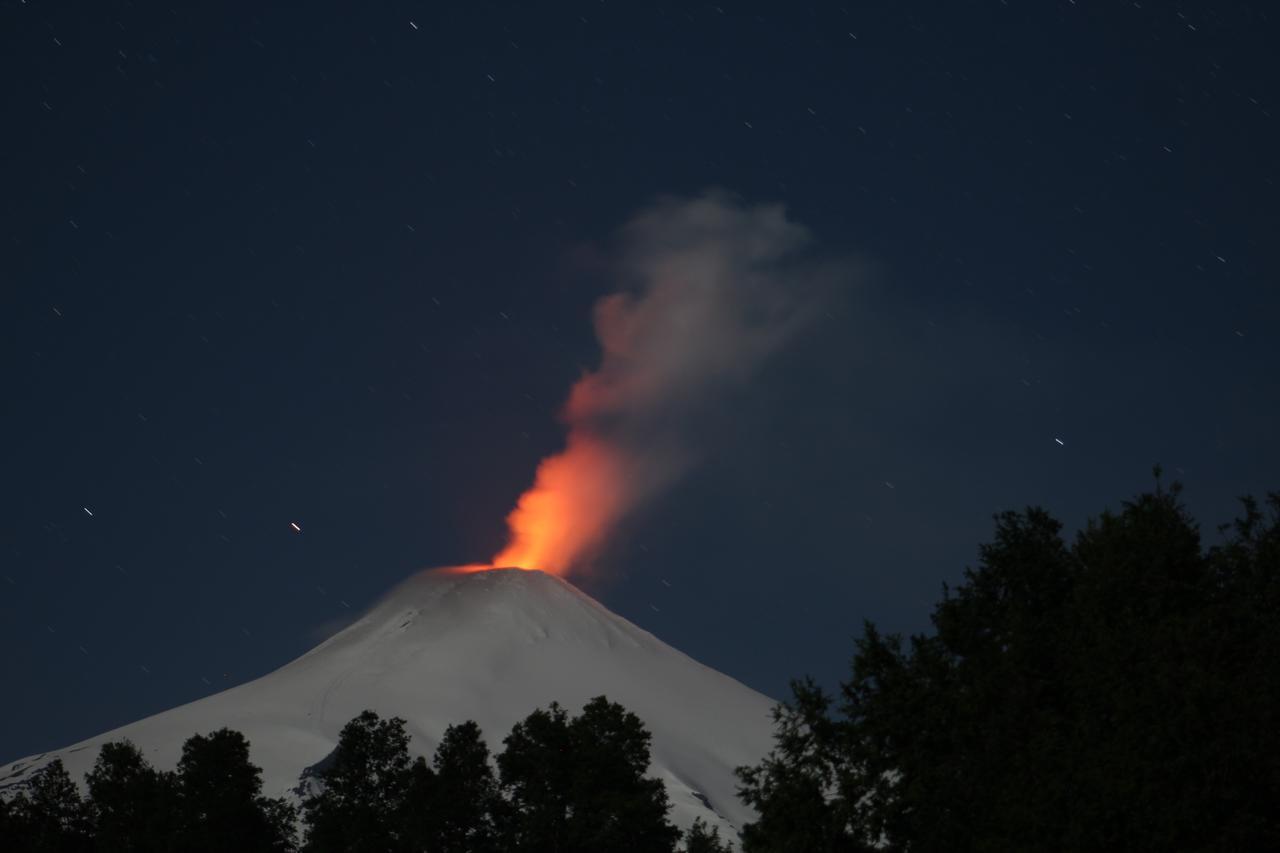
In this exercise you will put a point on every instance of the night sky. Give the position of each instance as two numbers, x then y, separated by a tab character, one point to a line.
335	266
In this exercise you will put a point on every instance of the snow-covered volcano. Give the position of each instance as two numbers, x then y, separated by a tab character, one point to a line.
490	646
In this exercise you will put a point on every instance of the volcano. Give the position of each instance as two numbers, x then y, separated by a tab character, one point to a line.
450	645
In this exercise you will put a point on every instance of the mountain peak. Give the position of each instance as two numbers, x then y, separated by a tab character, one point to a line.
486	612
490	645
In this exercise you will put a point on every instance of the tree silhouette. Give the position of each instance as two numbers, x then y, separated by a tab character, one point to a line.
8	826
362	804
578	785
220	802
464	792
419	830
1117	694
535	769
793	787
132	805
50	816
616	807
701	839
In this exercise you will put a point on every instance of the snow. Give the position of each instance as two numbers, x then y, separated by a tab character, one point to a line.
447	646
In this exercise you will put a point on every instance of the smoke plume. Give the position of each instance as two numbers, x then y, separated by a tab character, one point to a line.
709	288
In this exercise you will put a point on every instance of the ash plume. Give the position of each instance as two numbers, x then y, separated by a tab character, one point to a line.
708	289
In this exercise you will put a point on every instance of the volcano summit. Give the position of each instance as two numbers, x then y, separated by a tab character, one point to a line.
449	645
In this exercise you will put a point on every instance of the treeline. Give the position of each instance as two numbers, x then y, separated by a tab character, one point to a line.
1118	692
567	784
1121	692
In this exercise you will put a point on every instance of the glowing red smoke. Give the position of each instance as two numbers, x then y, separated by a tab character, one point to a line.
712	290
574	501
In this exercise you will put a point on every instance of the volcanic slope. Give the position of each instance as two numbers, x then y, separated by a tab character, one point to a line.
490	646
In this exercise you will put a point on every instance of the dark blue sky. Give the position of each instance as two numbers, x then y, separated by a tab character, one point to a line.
325	264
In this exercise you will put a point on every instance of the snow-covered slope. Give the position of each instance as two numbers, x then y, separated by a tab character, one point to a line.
447	646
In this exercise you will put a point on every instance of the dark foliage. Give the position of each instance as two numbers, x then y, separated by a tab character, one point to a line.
133	806
220	806
1117	694
8	826
362	805
794	787
700	839
568	786
49	817
579	785
417	820
14	833
536	775
459	805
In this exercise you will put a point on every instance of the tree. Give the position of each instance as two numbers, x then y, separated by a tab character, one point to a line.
1244	644
15	834
579	785
131	803
220	802
6	820
795	788
701	840
616	807
11	833
416	821
462	793
535	772
362	804
50	817
1119	693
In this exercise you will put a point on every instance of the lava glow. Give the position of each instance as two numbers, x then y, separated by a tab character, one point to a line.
466	569
710	292
575	499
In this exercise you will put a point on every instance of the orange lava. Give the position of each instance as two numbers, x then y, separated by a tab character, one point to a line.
575	499
467	569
